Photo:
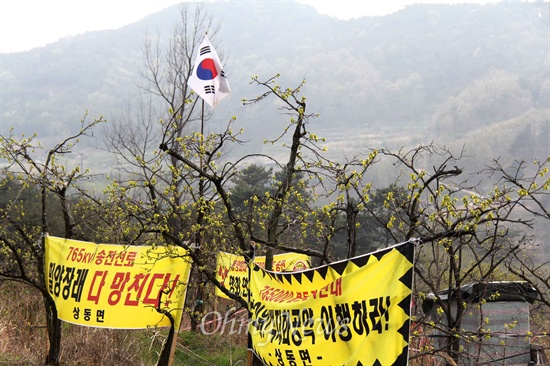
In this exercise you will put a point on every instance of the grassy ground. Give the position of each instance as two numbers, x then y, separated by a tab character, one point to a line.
198	349
23	339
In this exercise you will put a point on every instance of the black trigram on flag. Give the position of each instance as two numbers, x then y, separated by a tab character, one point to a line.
207	80
204	50
222	74
209	89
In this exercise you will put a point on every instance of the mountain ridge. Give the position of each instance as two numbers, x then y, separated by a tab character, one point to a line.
408	71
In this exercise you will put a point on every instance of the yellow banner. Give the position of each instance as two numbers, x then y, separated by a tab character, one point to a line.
115	286
232	270
353	312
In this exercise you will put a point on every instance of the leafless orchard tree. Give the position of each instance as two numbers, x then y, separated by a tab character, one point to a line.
31	168
467	237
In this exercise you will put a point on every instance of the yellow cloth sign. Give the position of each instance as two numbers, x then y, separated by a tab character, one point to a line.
115	286
232	270
353	312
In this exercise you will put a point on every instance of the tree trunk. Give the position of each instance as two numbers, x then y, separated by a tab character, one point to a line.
351	217
166	354
269	259
197	300
54	332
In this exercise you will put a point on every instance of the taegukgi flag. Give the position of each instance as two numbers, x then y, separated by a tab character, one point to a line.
208	78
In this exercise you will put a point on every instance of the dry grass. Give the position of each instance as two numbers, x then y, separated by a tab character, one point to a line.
23	338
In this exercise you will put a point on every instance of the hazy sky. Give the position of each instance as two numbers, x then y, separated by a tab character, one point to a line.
25	24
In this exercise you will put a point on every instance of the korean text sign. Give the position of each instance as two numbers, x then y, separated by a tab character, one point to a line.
353	312
232	270
115	286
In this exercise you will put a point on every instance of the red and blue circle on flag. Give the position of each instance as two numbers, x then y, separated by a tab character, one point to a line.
206	70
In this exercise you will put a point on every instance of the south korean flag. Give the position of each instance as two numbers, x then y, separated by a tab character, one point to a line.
208	79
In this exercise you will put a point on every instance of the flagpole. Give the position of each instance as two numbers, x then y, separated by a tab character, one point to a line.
208	81
250	256
200	217
198	237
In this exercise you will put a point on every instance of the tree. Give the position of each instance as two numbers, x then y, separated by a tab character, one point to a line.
169	200
251	182
42	178
218	178
531	261
347	193
467	237
296	108
496	97
373	219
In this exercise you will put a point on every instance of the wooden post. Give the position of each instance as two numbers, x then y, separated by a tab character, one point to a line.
173	349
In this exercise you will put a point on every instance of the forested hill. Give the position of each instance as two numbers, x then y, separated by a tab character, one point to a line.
450	73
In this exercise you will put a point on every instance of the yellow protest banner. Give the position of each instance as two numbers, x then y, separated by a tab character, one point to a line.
115	286
232	270
353	312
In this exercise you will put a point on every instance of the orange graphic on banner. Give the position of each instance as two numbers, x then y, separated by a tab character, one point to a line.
232	271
